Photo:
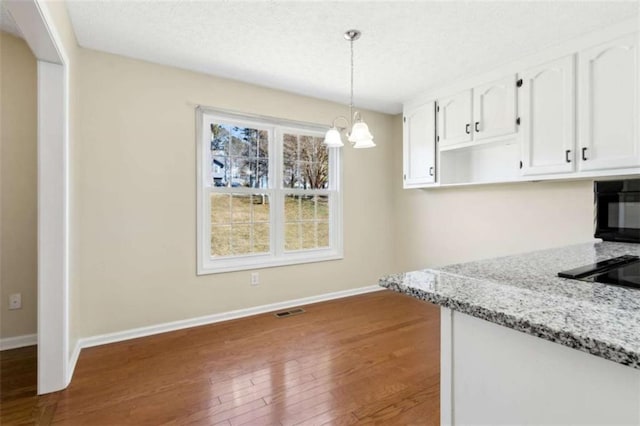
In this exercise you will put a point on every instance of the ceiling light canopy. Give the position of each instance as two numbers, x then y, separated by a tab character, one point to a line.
359	135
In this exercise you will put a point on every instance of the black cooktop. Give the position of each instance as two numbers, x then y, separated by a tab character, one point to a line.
623	271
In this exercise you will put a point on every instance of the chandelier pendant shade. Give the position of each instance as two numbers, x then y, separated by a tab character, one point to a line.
359	134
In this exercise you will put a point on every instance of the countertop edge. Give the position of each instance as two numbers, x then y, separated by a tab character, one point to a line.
585	344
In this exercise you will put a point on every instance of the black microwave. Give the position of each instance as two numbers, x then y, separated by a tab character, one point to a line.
617	208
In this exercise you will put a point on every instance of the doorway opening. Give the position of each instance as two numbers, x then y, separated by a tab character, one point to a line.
33	21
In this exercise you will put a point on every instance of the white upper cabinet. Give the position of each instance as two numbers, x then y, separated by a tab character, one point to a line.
494	108
569	112
485	112
547	113
419	140
608	97
454	124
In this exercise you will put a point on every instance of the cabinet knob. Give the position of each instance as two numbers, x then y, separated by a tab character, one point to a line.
566	156
476	127
584	154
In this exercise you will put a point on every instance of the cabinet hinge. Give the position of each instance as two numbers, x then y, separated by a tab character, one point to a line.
437	108
404	119
518	121
404	177
438	138
520	164
519	82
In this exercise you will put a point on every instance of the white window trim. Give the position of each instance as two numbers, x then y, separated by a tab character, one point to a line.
277	257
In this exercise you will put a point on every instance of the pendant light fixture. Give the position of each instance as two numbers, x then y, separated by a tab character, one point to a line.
359	134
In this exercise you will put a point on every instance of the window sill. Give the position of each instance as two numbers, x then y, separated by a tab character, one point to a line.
260	262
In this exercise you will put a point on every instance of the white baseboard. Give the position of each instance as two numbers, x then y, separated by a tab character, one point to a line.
135	333
18	341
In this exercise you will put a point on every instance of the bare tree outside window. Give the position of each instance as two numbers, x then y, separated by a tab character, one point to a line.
306	162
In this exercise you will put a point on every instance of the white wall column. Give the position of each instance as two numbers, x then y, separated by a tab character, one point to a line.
53	327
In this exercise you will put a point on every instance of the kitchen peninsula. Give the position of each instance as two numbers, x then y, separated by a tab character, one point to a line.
521	346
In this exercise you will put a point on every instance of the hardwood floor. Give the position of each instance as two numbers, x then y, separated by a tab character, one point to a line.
372	358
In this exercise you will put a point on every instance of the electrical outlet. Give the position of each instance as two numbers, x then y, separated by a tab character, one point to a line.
255	278
15	301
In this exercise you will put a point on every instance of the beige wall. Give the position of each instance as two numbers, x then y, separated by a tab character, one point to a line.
18	180
135	183
133	201
442	226
136	178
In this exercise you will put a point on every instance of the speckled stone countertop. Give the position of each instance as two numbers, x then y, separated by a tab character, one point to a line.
523	292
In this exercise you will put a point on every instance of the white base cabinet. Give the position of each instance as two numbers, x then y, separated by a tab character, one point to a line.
493	375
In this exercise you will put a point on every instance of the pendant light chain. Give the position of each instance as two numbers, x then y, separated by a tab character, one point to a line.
351	98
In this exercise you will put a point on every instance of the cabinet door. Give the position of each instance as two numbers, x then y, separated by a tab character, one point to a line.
609	105
454	124
419	140
494	108
547	130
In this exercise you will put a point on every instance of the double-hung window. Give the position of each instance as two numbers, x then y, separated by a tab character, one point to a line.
268	193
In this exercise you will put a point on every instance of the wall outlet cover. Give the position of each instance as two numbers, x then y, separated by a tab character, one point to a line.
255	278
15	301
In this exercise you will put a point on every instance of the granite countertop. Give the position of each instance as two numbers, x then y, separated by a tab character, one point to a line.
523	292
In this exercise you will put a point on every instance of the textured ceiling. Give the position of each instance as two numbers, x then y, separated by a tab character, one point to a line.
7	23
406	47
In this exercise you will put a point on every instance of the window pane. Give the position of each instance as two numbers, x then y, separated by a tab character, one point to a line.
309	235
308	207
220	209
314	166
260	219
323	234
289	148
260	205
260	238
292	236
306	222
305	162
290	158
241	239
240	224
241	208
239	156
322	207
220	240
291	208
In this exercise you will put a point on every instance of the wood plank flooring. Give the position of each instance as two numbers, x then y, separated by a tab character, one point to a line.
372	358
